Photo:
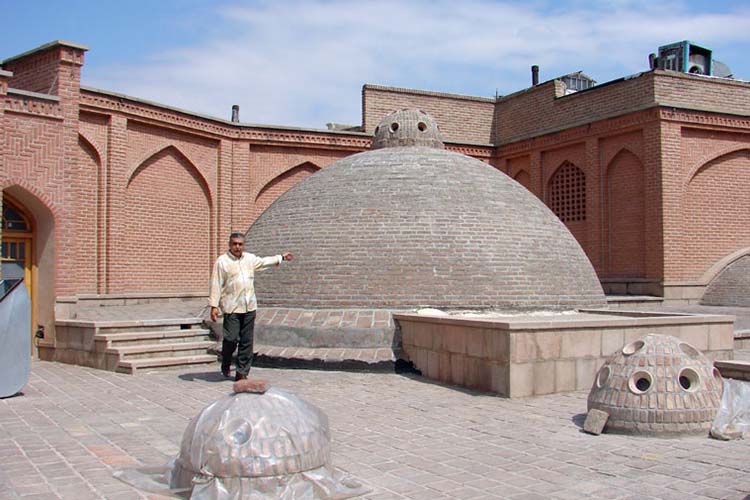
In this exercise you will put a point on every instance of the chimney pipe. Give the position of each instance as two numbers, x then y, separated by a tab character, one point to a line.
236	113
535	75
652	61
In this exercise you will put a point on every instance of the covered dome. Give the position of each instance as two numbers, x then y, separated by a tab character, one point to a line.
263	446
256	435
412	225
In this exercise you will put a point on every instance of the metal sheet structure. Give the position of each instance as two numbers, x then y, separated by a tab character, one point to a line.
265	446
15	338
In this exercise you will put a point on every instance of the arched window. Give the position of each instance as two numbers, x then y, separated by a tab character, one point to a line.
14	220
15	248
567	193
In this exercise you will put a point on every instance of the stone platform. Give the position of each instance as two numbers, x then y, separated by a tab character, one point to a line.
524	355
406	437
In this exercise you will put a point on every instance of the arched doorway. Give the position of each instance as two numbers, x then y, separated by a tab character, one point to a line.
17	248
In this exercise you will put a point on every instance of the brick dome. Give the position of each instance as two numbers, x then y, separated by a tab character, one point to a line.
411	226
657	385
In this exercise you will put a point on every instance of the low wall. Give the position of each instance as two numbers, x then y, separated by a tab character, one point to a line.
525	356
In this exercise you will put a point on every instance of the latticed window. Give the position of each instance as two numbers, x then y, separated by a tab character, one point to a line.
567	193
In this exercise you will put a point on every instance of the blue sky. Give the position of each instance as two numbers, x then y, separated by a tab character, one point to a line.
303	63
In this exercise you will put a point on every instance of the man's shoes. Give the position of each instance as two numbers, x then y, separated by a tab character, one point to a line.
239	376
225	372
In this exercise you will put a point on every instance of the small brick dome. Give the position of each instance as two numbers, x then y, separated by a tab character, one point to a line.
657	385
412	226
408	127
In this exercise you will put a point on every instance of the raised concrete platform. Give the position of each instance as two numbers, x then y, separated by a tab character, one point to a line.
524	355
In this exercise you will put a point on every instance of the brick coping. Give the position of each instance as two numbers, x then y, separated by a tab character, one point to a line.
43	47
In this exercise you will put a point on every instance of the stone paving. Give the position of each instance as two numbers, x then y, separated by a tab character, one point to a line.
404	436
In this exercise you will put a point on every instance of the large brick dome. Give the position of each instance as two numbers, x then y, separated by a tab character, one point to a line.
411	226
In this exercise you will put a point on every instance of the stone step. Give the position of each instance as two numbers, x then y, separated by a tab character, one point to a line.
132	366
325	358
127	326
153	337
161	350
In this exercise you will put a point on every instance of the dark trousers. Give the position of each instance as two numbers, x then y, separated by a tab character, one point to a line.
238	329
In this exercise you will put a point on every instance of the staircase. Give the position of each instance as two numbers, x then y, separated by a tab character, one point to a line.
130	346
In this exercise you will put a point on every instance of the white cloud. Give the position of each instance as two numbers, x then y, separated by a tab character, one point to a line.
302	63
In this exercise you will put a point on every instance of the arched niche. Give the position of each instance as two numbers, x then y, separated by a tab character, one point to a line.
281	184
716	212
626	216
567	198
162	241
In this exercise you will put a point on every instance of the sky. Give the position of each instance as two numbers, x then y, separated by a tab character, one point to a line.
303	63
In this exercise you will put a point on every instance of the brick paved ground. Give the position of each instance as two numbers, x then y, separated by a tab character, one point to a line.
404	436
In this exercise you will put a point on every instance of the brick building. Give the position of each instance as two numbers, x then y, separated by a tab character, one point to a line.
651	174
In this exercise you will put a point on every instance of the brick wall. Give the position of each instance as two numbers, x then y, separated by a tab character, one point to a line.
625	217
666	193
37	72
704	191
595	149
281	184
543	109
460	118
163	231
716	219
682	90
273	170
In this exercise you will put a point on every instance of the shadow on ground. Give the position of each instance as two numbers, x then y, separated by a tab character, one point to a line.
579	419
212	376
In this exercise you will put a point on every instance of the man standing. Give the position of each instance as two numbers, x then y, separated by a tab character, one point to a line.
233	291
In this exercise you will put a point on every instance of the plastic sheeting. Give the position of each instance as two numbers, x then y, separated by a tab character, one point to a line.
256	446
15	341
733	419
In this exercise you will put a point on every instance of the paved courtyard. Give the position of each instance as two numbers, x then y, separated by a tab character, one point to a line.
401	434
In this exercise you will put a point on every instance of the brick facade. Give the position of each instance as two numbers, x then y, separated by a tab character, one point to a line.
114	183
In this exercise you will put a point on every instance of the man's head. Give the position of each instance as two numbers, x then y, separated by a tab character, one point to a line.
236	244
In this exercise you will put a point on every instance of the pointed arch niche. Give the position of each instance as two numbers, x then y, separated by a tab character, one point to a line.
626	217
523	178
163	242
566	197
93	199
281	184
717	211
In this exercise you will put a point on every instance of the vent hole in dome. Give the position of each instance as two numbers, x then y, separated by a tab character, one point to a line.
394	126
238	432
633	347
603	376
422	126
640	382
689	350
689	379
